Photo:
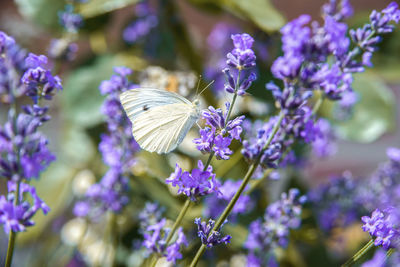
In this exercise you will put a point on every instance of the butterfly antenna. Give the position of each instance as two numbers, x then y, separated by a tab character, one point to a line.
198	84
207	87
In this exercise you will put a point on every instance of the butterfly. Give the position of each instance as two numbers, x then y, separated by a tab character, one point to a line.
160	119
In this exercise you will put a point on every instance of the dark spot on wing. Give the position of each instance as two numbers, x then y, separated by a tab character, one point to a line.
145	107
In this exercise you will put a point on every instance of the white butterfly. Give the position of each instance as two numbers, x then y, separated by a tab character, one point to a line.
160	119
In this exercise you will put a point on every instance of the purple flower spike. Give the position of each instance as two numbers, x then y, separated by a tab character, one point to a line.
213	239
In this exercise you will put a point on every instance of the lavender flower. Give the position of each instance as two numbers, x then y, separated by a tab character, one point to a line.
23	150
279	218
142	26
117	148
210	239
17	215
335	202
194	184
69	20
253	148
242	56
218	133
38	79
383	226
152	227
12	67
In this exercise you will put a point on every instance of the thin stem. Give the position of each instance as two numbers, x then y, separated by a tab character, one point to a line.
179	219
233	201
13	235
233	100
359	254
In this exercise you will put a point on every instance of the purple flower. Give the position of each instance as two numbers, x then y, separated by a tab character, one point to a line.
218	133
118	150
23	150
324	143
221	147
152	227
210	239
17	217
39	81
393	154
254	146
381	226
141	27
197	183
335	202
339	10
273	231
69	20
242	56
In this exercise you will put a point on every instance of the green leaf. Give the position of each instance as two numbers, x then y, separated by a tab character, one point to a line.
81	95
95	8
43	12
260	12
77	148
374	114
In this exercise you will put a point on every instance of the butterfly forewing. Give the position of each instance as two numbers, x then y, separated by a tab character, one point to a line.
160	119
136	101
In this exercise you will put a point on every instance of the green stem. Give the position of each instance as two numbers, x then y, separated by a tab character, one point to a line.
359	254
179	219
13	235
233	201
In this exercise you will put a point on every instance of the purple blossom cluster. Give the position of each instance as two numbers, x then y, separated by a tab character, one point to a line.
241	58
382	193
344	200
280	217
71	21
383	226
208	238
117	148
38	79
16	212
12	67
218	133
216	203
24	152
152	227
254	146
199	182
334	202
380	259
146	21
320	58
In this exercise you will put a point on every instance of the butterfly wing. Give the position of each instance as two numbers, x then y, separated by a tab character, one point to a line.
160	119
136	101
161	129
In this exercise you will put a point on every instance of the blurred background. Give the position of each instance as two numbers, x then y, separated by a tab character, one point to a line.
188	38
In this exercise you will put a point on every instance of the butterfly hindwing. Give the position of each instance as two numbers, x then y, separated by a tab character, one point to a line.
162	128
